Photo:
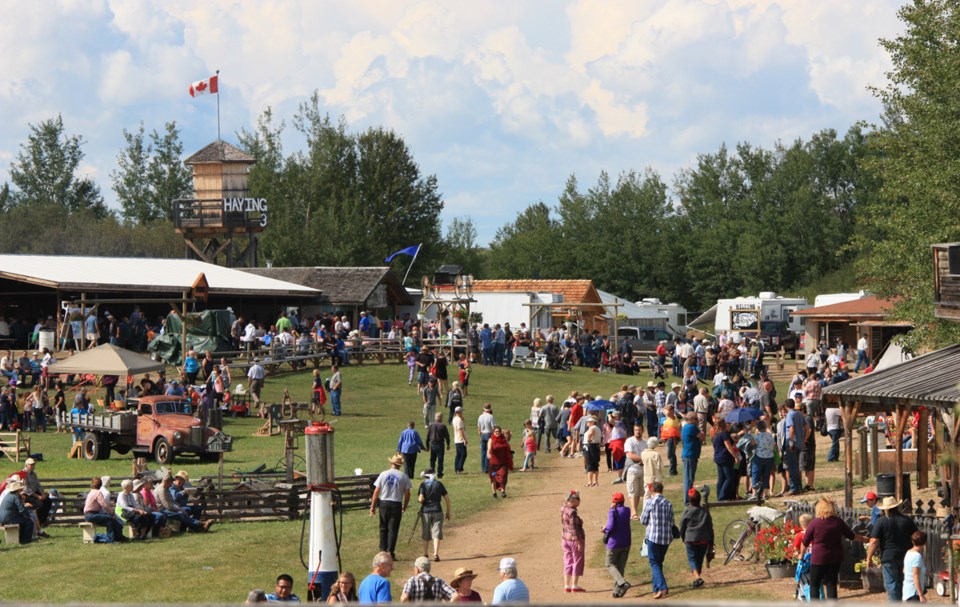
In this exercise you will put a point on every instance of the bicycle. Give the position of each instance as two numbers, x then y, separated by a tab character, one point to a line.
739	536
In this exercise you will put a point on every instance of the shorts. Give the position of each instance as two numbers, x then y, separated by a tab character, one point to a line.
432	523
635	481
422	378
813	407
808	459
91	336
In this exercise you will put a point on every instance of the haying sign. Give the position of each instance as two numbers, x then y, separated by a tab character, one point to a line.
247	205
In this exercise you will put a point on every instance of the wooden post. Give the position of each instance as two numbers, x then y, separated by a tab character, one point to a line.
864	458
849	414
183	328
874	449
902	412
83	320
923	448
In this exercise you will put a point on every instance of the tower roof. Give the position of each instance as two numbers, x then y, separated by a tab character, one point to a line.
218	152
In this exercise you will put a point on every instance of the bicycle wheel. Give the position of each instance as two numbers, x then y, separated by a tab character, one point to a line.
738	541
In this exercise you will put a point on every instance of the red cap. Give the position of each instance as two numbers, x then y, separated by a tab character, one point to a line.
618	498
869	496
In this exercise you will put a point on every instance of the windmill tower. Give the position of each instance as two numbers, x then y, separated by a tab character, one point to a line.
221	224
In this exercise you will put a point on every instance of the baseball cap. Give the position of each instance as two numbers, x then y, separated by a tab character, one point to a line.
507	563
617	498
30	462
869	496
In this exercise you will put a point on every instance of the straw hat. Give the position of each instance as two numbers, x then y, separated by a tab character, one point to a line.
889	502
14	486
462	574
396	459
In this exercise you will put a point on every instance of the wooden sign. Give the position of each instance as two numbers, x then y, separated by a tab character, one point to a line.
200	288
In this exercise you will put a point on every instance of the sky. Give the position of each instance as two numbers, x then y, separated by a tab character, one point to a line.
501	100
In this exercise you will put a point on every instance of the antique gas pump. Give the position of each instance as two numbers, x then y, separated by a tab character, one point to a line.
323	555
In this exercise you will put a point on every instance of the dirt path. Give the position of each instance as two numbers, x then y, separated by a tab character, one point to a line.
528	529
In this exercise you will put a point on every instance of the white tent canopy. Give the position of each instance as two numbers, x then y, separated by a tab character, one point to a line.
106	360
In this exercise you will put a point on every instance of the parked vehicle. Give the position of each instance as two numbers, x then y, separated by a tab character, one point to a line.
775	334
644	339
161	427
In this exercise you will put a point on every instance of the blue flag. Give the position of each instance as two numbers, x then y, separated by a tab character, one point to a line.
412	250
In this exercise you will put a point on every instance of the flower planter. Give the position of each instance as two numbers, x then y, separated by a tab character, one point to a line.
872	579
779	571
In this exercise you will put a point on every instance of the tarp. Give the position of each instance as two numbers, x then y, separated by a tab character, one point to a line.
207	330
106	360
892	355
706	321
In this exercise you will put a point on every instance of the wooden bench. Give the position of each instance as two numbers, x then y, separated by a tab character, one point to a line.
88	531
11	534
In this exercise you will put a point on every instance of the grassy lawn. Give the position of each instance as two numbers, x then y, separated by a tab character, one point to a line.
224	565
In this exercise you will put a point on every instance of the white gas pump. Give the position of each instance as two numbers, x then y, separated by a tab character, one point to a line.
323	556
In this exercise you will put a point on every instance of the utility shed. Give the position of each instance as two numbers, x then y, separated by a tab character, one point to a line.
930	383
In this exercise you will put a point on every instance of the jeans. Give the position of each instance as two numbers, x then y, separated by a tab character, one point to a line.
689	476
436	458
653	423
617	564
672	455
695	556
390	515
488	354
185	520
834	454
861	360
791	461
824	575
726	482
335	401
461	457
498	354
760	470
508	356
113	525
675	366
159	520
893	580
657	553
483	451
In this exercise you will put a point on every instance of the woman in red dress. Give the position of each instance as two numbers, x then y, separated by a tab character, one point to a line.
500	461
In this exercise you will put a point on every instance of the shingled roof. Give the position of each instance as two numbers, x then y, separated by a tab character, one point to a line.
350	286
931	379
219	151
573	291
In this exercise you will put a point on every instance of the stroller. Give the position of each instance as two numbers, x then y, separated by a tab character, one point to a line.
563	362
802	578
657	369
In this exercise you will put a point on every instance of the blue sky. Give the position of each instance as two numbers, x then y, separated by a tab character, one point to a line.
502	101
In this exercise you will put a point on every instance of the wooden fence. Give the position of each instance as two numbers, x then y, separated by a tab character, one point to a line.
250	497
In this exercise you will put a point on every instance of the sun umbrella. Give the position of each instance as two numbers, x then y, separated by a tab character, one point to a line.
600	405
742	415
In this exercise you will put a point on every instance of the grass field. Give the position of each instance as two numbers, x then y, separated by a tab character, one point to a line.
223	565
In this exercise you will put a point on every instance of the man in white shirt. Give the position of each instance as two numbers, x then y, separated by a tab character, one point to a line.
459	440
633	449
862	358
485	424
255	382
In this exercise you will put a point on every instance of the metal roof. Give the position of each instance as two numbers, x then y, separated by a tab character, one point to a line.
139	274
931	379
341	285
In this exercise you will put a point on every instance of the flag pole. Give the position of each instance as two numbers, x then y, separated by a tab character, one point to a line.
411	265
218	105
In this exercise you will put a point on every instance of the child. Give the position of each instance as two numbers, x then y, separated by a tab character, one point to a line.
412	363
804	520
529	446
464	365
319	395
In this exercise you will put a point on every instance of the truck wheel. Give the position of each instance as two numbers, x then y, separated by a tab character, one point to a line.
163	452
91	447
104	452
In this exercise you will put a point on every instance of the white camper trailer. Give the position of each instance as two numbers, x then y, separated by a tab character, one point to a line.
746	315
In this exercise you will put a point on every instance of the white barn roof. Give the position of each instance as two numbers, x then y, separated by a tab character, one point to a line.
139	274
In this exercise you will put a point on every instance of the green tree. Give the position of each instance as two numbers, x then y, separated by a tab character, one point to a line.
150	176
46	170
529	247
461	247
917	158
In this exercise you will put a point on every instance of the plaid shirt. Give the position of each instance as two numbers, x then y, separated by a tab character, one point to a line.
658	517
416	589
660	400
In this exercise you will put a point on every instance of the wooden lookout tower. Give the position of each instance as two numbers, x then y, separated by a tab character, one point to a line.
221	224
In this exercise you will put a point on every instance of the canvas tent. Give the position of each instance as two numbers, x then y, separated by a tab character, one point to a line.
106	360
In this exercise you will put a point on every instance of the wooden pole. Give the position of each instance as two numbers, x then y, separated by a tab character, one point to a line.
901	418
183	328
849	413
83	320
923	448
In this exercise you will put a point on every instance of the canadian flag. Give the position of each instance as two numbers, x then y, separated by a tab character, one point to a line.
204	87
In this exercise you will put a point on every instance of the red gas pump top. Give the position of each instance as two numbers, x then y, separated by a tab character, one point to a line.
318	428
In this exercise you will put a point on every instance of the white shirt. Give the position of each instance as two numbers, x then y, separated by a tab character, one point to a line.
636	446
862	343
249	332
833	417
485	423
459	430
255	372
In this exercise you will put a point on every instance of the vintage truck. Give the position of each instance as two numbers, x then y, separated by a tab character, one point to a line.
161	427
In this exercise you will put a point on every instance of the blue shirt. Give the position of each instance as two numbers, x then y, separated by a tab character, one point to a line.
511	591
374	589
290	599
690	436
410	442
486	337
795	420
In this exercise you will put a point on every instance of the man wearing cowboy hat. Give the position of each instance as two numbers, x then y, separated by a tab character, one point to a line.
392	491
181	491
462	582
13	512
891	536
33	493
